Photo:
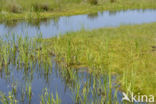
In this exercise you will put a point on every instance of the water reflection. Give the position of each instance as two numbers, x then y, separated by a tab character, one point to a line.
64	24
67	82
27	69
93	15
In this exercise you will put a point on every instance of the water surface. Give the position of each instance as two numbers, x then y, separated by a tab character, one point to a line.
64	24
53	79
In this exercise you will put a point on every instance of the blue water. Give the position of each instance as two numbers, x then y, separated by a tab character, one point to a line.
64	24
55	80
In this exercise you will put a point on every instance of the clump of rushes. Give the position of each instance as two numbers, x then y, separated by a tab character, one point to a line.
5	52
47	98
1	55
23	52
93	90
10	99
28	91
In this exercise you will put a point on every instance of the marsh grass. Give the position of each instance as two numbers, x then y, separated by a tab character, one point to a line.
82	91
10	99
22	51
47	98
126	51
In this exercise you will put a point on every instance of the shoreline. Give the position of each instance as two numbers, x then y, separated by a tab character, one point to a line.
8	16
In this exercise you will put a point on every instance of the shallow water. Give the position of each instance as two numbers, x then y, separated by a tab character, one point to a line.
54	78
25	64
38	81
64	24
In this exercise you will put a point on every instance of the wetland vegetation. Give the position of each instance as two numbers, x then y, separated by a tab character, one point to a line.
112	60
30	57
125	51
82	59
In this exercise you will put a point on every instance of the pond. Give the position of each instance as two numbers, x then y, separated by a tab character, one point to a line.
28	81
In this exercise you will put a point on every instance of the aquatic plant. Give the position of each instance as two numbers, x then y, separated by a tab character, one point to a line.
10	99
47	98
28	91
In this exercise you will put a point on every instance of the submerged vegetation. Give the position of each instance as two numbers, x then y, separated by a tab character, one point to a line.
30	9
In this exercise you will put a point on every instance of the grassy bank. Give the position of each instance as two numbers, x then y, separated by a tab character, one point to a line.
17	9
128	52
